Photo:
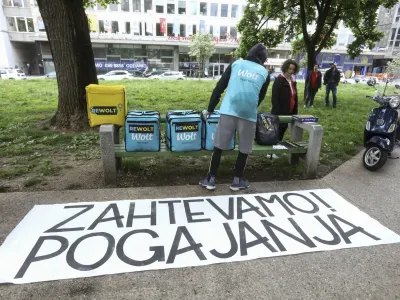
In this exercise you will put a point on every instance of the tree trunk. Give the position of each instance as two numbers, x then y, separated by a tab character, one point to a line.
86	66
61	23
312	57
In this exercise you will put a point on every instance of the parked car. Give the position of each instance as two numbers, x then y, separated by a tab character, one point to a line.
365	80
169	76
137	74
351	81
51	75
116	75
396	83
15	74
156	72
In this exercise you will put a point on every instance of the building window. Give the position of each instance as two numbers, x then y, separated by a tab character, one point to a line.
182	7
342	38
203	8
170	8
17	3
7	3
211	29
137	28
234	11
233	32
398	15
99	50
182	31
99	7
128	27
101	26
397	43
148	28
159	6
351	39
224	10
141	51
214	9
127	51
113	7
194	29
21	25
114	27
158	30
11	24
40	24
223	32
193	8
170	28
113	49
136	6
153	52
214	58
125	5
148	5
29	22
393	33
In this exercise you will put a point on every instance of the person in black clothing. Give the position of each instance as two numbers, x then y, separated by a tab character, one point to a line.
284	93
313	84
331	80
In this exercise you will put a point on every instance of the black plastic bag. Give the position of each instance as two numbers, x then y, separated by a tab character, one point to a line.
267	129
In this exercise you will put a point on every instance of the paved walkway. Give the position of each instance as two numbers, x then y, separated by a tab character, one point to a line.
358	273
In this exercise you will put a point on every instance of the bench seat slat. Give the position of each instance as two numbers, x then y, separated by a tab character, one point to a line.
165	152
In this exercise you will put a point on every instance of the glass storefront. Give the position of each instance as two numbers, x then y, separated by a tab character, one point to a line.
134	57
217	64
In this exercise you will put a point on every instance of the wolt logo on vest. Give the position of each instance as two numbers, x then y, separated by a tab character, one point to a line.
104	110
247	74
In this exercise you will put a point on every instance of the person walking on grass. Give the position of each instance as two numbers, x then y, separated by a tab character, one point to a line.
284	94
313	84
331	80
246	82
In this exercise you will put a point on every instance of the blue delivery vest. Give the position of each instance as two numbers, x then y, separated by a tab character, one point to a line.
242	94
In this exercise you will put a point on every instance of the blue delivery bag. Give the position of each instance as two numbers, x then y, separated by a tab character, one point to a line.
142	131
183	130
209	129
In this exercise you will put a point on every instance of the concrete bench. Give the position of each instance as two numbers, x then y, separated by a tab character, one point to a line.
112	151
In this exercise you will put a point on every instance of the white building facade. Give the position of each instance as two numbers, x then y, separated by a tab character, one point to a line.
140	34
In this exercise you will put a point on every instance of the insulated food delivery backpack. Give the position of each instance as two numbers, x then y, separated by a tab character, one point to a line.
142	131
183	130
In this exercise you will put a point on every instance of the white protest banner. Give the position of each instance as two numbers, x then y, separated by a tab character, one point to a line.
96	238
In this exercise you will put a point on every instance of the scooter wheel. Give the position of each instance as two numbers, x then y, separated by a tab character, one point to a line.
374	158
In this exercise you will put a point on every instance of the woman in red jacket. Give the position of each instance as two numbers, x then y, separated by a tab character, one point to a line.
284	93
313	84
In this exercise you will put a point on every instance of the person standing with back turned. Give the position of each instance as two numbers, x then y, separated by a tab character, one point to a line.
246	82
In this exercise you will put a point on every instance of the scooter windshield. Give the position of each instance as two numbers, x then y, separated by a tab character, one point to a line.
388	82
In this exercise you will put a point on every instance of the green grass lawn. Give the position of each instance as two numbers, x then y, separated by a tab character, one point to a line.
30	148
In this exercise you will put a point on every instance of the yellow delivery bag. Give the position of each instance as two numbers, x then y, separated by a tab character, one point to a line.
106	104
